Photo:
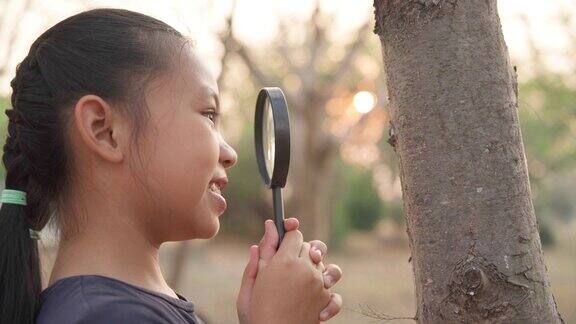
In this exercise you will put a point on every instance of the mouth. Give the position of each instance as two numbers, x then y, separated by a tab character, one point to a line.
215	187
217	184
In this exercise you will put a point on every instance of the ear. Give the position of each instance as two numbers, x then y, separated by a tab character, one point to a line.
99	129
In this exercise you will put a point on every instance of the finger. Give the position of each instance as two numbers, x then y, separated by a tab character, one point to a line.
318	250
333	307
269	243
320	266
305	252
291	224
315	255
332	274
248	279
291	244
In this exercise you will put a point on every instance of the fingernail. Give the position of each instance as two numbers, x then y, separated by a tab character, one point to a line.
318	252
327	281
324	314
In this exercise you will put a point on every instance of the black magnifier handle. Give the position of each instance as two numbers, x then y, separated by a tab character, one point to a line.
278	212
272	143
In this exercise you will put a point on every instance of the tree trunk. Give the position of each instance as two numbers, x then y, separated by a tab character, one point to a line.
476	251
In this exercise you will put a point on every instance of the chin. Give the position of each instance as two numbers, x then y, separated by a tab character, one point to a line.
210	231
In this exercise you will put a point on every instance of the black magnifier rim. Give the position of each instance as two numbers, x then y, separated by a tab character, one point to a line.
281	121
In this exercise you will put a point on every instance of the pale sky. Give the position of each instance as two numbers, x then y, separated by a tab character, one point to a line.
256	23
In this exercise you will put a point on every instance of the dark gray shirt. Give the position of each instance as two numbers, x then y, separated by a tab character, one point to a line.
91	299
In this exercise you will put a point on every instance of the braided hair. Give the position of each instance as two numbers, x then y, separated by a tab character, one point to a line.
111	53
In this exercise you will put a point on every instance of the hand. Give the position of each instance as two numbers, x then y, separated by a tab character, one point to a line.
288	288
331	275
261	255
264	250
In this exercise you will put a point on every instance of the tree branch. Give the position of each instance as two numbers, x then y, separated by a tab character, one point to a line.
318	38
225	37
346	63
257	73
285	51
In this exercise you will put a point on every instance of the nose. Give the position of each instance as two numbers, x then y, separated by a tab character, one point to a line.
228	156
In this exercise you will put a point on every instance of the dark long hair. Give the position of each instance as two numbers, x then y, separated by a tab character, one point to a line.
112	53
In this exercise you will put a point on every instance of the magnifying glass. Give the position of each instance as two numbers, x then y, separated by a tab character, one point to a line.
272	140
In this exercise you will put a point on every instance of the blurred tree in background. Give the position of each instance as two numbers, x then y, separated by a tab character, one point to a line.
320	77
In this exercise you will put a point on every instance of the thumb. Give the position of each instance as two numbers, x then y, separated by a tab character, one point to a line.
248	279
269	243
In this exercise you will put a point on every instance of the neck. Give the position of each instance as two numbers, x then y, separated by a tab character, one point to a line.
108	244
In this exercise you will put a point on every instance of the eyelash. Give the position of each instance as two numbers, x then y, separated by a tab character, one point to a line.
213	113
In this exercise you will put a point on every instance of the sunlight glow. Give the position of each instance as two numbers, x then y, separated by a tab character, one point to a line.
364	102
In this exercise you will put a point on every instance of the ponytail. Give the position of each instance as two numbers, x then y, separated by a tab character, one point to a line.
25	152
19	266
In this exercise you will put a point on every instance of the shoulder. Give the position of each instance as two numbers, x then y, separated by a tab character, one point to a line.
94	299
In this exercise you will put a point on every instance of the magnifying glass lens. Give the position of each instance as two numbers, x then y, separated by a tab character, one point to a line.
268	137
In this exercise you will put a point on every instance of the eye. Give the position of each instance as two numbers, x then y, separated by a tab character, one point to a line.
211	114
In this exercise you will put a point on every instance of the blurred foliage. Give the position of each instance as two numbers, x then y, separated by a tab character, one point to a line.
357	205
548	119
360	203
547	237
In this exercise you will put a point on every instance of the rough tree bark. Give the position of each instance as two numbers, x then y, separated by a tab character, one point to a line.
476	251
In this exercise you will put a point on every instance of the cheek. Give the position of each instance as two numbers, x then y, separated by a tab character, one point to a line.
186	160
183	160
179	161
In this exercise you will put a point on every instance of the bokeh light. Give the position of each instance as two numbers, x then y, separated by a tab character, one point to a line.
364	102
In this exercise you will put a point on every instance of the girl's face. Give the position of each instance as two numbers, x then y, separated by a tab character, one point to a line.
183	156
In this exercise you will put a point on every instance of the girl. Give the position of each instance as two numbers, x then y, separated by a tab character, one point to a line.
114	136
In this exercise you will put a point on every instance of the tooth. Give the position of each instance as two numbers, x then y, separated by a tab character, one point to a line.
214	187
